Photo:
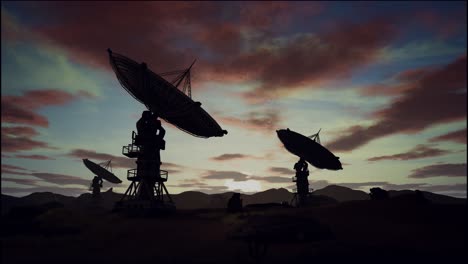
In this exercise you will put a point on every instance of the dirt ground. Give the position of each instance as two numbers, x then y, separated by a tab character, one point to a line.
361	230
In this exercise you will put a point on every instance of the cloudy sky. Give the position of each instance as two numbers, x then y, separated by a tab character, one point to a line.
385	81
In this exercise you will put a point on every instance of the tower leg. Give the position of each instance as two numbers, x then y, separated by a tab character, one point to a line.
147	188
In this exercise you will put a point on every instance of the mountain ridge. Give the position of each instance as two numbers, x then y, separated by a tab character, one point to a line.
198	200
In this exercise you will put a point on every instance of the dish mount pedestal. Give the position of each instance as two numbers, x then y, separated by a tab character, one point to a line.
147	192
302	191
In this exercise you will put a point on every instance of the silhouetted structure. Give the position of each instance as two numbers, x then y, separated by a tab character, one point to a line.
378	194
96	186
302	183
164	100
235	203
102	172
307	149
147	188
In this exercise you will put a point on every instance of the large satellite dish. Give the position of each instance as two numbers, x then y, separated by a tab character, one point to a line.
164	98
101	172
309	149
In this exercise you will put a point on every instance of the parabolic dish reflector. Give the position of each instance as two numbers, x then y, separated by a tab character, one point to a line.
304	147
163	98
101	172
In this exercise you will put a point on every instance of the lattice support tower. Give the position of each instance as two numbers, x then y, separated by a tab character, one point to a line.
147	190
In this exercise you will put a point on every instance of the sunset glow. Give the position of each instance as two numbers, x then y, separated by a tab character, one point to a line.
385	81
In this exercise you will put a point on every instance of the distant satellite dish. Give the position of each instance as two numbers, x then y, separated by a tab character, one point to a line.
163	98
101	172
308	149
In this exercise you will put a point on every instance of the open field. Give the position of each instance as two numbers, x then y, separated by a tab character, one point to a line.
388	230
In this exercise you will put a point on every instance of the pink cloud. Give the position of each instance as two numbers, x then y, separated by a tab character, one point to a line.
20	131
35	157
232	156
15	144
22	109
260	121
440	170
458	136
418	152
443	89
168	42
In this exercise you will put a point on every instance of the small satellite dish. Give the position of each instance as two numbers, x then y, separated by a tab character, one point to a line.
101	172
164	98
309	149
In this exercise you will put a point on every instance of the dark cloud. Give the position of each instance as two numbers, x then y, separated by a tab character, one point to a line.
20	131
15	139
238	41
22	109
172	168
282	171
418	152
443	89
271	179
224	38
15	170
28	182
225	157
12	167
444	26
16	144
60	179
169	33
16	114
36	157
440	170
458	136
170	165
221	175
261	121
166	31
54	178
268	16
313	58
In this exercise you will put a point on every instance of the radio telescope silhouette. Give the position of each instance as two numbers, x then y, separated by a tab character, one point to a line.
171	102
307	149
102	172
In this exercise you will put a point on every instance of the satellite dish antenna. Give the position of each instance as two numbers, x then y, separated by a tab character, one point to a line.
307	149
164	98
101	172
315	137
168	100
